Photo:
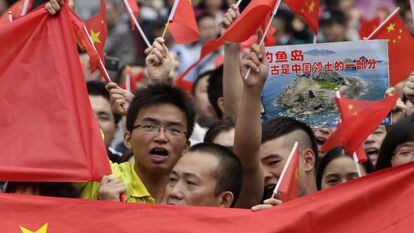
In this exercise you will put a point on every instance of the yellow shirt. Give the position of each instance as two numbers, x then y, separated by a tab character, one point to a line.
136	192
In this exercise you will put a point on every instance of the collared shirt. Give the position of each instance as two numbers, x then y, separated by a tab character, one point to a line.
136	192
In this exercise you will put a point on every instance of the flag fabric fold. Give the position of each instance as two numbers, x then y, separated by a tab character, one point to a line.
52	133
400	48
368	26
381	202
308	10
183	27
361	118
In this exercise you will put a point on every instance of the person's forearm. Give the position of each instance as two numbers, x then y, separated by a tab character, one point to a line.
232	83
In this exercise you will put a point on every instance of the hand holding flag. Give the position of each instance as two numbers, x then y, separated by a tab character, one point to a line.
158	63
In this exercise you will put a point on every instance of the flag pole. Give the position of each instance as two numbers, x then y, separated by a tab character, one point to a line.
136	23
105	74
356	161
238	2
170	17
266	31
25	7
412	8
128	79
315	38
292	153
382	24
10	16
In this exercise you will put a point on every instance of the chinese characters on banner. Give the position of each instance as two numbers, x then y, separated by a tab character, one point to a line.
303	79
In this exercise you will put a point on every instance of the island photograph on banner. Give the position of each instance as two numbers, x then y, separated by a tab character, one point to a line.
304	79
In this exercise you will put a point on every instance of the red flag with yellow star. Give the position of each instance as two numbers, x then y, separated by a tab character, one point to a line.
183	27
98	32
308	10
18	9
400	48
361	118
289	183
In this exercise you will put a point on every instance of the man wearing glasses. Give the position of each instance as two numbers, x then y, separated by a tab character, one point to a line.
159	123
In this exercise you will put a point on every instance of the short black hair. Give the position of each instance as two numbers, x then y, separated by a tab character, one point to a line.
215	89
229	172
199	77
399	133
280	126
97	88
49	189
217	128
328	157
161	93
330	17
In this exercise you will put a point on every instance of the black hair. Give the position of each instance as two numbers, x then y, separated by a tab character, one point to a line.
399	133
229	172
327	159
330	17
215	89
280	126
199	77
217	128
50	189
202	5
161	93
97	88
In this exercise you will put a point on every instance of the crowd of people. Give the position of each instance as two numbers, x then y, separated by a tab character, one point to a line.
208	146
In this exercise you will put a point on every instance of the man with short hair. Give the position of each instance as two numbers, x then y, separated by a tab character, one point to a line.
206	175
263	155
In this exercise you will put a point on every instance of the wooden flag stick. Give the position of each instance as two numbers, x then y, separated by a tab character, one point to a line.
128	78
101	65
170	17
315	38
356	161
412	9
25	7
266	31
132	16
292	153
238	2
382	24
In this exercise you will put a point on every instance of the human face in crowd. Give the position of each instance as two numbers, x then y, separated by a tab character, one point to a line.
159	138
273	156
102	109
225	138
208	29
373	143
334	32
321	135
202	104
340	170
403	154
213	5
193	181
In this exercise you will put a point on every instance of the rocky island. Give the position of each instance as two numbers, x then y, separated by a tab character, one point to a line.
315	93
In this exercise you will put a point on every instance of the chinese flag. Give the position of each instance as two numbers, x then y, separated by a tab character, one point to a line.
361	119
135	11
49	131
400	48
18	9
98	32
368	26
289	185
184	27
381	202
308	10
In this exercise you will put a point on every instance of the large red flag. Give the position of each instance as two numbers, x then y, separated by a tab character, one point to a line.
18	9
381	202
49	130
98	32
400	48
289	185
308	10
365	118
184	27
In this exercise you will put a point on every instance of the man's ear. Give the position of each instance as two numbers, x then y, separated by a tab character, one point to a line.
226	199
220	104
127	139
310	160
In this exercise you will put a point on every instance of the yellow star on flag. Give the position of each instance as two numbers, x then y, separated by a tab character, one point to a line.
43	229
391	27
311	7
351	107
95	37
